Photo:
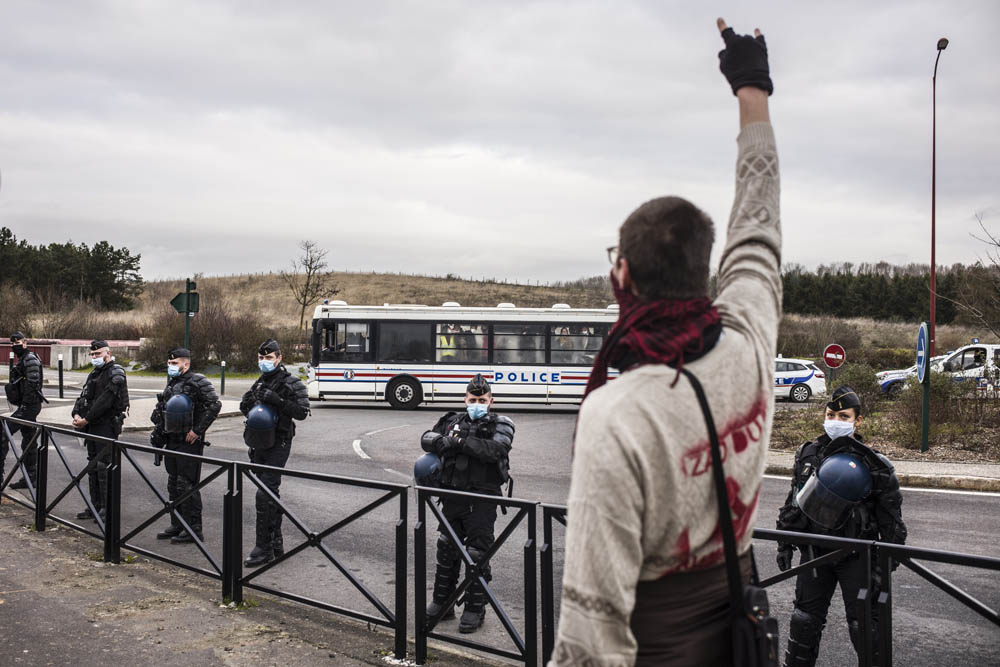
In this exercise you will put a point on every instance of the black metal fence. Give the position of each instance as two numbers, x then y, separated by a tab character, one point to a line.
227	567
875	597
526	646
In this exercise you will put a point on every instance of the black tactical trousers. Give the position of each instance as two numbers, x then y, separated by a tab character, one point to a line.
812	602
99	455
183	475
473	523
28	412
268	525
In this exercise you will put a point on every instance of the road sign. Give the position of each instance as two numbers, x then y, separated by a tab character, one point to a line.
834	356
185	303
923	358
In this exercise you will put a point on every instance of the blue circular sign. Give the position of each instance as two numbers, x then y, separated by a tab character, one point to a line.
923	351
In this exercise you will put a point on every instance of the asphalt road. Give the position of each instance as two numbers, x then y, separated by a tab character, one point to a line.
381	444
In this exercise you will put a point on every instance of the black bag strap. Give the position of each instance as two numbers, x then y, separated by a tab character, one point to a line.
725	517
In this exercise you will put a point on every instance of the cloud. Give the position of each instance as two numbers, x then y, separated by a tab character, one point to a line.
479	139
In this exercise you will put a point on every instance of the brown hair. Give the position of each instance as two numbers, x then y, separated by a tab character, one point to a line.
667	242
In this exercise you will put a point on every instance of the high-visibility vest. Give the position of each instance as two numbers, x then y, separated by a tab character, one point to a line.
447	345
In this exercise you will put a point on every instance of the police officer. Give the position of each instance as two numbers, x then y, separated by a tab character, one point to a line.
24	391
840	487
100	411
473	447
282	397
184	411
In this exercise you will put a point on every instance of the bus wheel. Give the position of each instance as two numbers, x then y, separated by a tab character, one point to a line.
404	394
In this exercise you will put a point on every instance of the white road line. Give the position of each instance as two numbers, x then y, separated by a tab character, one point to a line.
961	492
381	430
357	449
396	472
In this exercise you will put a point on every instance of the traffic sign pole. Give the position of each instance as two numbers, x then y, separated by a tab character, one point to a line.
924	375
187	314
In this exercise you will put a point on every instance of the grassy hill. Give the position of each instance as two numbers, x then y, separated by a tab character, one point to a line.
267	295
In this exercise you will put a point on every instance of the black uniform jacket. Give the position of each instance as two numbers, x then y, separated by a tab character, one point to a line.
199	389
105	395
878	517
480	462
293	400
25	385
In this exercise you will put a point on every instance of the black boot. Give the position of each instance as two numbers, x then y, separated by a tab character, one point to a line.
449	567
173	530
259	556
186	538
20	484
434	608
262	553
85	514
277	540
475	596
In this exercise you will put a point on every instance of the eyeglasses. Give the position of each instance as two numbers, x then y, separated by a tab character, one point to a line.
613	254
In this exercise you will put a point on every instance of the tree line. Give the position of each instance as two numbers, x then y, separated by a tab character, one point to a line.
56	273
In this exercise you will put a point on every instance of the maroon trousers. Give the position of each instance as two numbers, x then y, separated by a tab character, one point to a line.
684	619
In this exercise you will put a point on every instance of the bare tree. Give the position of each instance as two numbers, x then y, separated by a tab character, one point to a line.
979	292
309	279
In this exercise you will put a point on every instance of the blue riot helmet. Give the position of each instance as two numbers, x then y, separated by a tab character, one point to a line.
260	427
427	470
178	414
831	493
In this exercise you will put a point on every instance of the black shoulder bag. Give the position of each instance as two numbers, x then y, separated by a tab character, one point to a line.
755	632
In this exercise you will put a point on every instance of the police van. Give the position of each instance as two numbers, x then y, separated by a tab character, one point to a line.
978	363
409	354
798	379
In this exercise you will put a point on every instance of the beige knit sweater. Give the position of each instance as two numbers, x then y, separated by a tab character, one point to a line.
641	500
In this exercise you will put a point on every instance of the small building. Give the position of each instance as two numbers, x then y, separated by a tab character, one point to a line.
75	351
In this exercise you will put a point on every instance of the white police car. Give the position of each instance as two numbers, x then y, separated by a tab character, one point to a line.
892	382
798	379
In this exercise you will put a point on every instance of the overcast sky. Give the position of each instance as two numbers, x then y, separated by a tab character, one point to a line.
482	139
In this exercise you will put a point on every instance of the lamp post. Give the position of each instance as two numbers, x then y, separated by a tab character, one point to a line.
941	46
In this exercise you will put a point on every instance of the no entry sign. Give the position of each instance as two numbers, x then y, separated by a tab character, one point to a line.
834	356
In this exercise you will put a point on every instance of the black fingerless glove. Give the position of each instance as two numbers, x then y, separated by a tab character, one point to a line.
744	61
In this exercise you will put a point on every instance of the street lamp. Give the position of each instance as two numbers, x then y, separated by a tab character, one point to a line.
941	46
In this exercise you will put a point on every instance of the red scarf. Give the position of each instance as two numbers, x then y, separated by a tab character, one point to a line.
665	331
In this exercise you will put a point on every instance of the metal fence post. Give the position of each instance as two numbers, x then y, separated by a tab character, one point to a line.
885	610
227	540
236	535
401	578
548	595
420	579
112	505
531	590
863	606
41	477
60	376
222	380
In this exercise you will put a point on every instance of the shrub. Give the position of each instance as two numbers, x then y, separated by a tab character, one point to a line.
885	358
808	336
861	378
15	304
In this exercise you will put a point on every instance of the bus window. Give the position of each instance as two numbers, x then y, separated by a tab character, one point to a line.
346	341
405	342
519	343
461	343
574	344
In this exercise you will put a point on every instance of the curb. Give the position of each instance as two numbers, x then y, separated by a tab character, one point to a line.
962	482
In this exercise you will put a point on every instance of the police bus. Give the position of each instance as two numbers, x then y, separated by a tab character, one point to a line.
410	354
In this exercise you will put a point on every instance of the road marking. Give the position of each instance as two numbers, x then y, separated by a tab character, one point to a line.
961	492
396	472
382	430
360	452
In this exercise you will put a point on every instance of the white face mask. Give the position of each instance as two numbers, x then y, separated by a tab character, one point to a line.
836	428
